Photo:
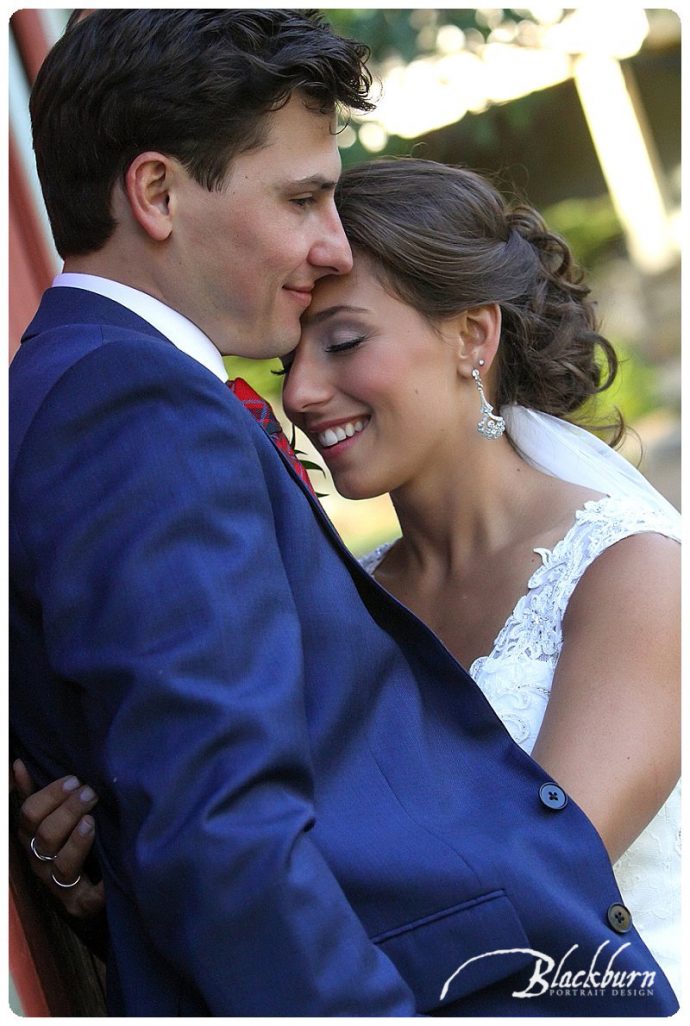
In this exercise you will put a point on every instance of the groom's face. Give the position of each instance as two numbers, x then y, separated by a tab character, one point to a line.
247	257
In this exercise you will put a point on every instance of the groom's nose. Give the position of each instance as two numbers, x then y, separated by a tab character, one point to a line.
330	249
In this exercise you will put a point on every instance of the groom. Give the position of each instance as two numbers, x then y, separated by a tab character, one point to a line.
306	806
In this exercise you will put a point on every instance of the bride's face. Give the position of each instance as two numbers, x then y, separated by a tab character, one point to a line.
375	386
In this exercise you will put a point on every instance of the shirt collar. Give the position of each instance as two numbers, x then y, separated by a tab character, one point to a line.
182	333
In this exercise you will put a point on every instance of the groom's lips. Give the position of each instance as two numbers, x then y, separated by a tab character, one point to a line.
300	293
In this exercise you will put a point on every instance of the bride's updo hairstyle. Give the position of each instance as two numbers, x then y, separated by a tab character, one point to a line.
443	239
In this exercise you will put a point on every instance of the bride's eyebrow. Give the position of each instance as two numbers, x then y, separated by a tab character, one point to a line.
331	311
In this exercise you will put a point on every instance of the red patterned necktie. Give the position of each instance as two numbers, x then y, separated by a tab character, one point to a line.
262	412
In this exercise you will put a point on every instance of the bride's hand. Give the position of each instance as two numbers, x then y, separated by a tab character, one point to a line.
56	820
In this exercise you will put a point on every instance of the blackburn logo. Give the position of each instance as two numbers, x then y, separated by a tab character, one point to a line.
548	977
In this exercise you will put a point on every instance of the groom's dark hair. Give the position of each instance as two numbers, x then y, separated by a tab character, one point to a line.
193	84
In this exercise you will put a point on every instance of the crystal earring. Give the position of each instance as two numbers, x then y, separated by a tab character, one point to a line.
490	425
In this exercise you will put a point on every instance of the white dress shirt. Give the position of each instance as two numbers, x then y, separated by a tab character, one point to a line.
182	333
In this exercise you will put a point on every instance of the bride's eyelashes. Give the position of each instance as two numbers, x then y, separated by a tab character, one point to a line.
342	347
335	347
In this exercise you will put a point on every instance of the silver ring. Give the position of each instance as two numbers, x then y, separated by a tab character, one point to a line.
42	858
65	886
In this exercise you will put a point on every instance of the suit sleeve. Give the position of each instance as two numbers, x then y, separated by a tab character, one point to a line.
166	606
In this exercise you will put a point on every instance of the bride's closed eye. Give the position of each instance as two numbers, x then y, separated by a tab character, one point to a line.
342	347
334	347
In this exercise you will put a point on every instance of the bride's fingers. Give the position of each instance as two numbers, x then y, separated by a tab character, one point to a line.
69	862
50	815
22	779
84	901
54	821
78	895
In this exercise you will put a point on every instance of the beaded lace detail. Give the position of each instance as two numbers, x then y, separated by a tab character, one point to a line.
516	678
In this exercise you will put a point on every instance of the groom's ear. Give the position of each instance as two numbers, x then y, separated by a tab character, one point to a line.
479	332
148	183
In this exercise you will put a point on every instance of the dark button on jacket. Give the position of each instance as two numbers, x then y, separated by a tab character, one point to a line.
553	796
619	918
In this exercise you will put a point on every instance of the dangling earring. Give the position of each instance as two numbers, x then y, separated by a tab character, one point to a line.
490	425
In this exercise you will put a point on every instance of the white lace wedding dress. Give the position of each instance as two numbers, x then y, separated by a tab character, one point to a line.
516	678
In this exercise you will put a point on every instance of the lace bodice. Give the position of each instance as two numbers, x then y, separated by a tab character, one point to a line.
516	678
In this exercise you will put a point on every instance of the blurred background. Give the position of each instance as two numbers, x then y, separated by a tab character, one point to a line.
576	110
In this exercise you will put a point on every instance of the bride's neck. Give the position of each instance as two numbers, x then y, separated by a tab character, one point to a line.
467	507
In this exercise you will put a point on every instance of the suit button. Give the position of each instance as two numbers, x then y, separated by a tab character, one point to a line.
553	796
619	918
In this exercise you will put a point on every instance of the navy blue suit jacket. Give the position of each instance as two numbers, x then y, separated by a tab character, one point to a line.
306	806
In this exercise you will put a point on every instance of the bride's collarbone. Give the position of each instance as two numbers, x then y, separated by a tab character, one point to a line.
466	610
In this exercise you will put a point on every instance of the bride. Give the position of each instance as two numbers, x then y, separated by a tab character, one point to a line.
542	560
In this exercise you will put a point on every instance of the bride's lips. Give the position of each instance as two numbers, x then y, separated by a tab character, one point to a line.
334	437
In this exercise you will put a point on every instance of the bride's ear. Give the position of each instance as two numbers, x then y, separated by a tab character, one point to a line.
479	332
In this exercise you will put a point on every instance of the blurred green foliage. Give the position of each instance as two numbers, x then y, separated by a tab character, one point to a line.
590	227
259	373
634	393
